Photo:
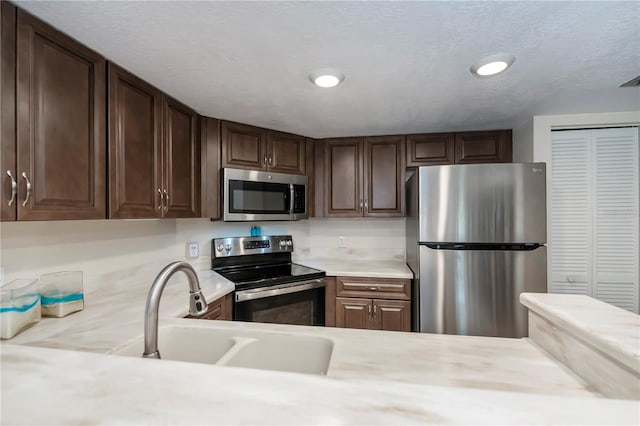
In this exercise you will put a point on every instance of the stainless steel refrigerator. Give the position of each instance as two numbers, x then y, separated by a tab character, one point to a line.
475	241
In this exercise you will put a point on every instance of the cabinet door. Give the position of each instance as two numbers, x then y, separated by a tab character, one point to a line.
353	313
343	177
430	149
384	176
392	315
182	160
135	156
286	153
483	147
243	146
8	111
61	137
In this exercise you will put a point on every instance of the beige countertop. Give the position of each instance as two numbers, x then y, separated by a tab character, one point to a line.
373	377
613	330
360	268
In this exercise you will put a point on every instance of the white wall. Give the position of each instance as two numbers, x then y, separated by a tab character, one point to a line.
523	142
96	247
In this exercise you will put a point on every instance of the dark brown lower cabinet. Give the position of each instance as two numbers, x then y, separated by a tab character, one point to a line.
353	313
373	314
219	309
369	303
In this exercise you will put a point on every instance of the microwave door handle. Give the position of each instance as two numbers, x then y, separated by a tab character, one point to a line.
291	198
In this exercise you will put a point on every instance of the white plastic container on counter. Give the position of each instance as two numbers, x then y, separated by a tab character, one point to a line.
19	306
62	293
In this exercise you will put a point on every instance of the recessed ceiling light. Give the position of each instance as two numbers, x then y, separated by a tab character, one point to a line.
326	77
492	65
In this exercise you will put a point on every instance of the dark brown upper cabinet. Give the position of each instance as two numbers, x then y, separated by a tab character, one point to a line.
135	152
8	176
154	151
60	125
243	146
430	149
181	171
363	176
384	176
286	153
483	147
254	148
343	187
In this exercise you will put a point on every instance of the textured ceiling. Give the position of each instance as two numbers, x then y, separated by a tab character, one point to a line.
406	63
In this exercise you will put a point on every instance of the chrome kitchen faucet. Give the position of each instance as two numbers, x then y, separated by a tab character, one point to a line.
197	303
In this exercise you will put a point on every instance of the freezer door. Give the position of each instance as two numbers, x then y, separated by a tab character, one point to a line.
483	203
476	292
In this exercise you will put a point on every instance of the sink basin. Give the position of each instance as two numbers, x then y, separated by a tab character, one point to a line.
261	350
298	354
184	344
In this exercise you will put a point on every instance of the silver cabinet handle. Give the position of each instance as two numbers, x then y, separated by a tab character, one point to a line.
166	199
370	310
366	204
269	161
264	161
159	199
373	288
26	199
14	188
361	209
375	309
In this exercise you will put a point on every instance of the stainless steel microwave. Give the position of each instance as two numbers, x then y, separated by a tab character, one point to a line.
250	195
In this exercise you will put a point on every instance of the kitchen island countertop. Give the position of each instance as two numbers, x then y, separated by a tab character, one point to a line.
373	377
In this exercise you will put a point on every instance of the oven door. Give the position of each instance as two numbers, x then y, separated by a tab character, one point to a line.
300	303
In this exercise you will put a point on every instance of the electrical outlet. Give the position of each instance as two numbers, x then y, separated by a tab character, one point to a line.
193	250
342	241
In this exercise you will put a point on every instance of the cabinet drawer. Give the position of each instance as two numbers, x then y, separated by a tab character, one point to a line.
375	288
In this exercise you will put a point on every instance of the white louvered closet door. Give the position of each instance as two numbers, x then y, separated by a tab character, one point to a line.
571	205
615	228
594	214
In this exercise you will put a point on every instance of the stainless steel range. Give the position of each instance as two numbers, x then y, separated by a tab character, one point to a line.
269	287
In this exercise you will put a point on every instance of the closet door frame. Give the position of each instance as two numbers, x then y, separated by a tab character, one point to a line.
542	138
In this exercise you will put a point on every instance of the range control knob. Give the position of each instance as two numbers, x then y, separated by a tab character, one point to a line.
227	248
289	243
219	247
283	243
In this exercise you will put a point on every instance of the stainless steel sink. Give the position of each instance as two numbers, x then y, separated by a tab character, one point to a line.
261	350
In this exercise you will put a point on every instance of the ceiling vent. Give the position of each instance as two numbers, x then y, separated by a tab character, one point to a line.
632	83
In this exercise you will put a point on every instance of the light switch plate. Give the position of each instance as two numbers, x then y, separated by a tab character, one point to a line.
193	250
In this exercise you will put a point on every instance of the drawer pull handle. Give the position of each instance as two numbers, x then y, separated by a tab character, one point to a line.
373	288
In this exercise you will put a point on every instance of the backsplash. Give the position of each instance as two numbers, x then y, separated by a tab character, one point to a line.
96	247
107	249
377	239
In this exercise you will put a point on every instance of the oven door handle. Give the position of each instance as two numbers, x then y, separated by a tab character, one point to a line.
261	293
